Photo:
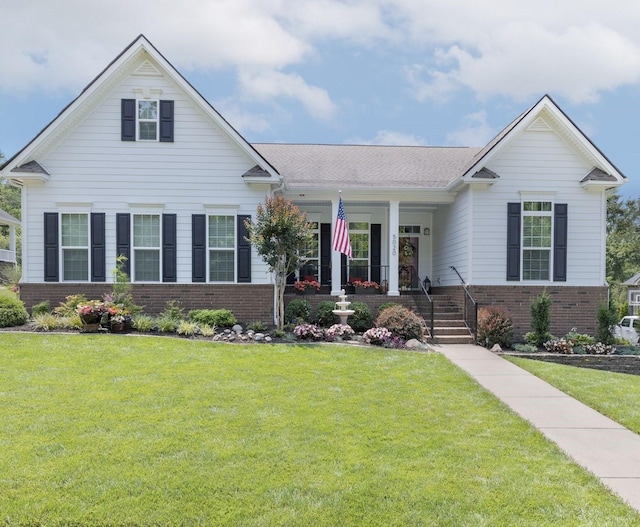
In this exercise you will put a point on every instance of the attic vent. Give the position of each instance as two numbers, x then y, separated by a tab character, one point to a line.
146	68
539	125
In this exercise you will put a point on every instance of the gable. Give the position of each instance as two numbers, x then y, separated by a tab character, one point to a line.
139	73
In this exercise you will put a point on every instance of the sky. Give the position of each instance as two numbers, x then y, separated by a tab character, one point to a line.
389	72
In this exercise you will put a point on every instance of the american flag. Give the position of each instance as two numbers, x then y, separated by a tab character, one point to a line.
341	241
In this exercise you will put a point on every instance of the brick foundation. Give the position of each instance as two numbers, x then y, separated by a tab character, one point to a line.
249	302
373	301
572	307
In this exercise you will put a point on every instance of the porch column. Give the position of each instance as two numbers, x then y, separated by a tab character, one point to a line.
336	263
394	225
12	242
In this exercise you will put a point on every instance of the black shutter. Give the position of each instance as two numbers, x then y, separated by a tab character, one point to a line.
169	248
244	251
51	247
325	253
98	250
560	242
376	251
123	239
199	248
128	119
166	121
513	241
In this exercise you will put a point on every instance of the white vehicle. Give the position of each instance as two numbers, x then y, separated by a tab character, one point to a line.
628	329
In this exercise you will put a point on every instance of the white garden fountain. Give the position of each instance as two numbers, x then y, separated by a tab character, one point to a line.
342	308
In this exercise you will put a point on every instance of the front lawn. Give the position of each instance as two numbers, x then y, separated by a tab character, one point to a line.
613	394
113	430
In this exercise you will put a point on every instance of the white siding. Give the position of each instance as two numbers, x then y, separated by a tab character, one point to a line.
92	165
451	241
539	162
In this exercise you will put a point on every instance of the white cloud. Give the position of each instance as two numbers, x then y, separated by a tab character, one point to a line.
390	138
267	85
475	131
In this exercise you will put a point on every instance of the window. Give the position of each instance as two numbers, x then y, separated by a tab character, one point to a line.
146	247
359	237
147	120
222	254
311	254
537	222
75	246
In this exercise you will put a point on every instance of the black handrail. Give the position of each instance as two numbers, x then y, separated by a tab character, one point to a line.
470	305
431	316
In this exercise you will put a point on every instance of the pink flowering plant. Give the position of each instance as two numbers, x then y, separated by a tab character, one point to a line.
308	331
366	284
343	331
91	312
302	285
377	336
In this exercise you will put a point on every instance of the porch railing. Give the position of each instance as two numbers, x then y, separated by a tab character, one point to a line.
470	305
7	256
424	303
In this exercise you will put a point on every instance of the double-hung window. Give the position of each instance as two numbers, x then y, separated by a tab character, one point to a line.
359	237
147	120
537	220
310	253
146	247
222	248
75	247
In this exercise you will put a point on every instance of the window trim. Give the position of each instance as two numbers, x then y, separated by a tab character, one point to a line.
133	247
537	213
63	247
234	249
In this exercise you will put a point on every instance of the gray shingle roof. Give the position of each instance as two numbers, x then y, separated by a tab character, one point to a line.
361	166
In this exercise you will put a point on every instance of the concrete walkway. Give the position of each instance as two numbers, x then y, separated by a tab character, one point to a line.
594	441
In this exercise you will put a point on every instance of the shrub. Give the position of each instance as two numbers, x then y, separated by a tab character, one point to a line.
386	305
606	319
167	324
525	348
45	322
173	310
541	319
213	317
324	314
377	336
361	320
70	305
297	311
143	323
559	346
343	331
308	332
401	322
494	327
187	328
41	309
12	312
207	331
599	349
578	339
257	325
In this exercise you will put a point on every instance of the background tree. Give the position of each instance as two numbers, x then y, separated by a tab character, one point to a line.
279	233
623	243
10	202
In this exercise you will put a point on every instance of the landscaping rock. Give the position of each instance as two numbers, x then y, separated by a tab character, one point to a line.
496	348
258	337
415	344
237	329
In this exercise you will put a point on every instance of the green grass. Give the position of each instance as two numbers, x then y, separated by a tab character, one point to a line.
112	430
613	394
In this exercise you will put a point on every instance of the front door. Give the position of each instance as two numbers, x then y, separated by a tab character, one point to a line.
408	263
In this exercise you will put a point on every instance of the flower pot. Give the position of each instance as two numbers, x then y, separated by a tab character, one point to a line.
117	327
90	327
366	291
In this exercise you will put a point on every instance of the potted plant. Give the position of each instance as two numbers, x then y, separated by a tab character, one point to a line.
117	318
304	287
91	314
366	287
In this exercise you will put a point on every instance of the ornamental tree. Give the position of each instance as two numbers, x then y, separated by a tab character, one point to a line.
280	234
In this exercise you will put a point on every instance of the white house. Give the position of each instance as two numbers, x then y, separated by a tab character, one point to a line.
141	164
